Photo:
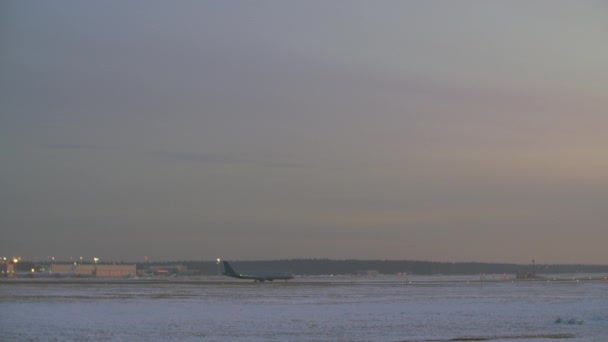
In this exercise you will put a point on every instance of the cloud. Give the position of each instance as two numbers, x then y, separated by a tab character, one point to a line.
179	156
79	147
220	159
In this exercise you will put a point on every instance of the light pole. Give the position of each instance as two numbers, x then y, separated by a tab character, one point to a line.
15	261
95	260
217	262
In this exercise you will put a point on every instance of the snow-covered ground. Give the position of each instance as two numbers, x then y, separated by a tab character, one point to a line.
306	309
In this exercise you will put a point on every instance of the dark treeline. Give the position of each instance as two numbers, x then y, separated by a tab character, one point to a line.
342	267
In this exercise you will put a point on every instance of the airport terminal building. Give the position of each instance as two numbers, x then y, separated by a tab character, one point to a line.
95	270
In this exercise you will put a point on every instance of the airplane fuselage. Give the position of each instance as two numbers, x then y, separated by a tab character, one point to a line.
256	276
263	276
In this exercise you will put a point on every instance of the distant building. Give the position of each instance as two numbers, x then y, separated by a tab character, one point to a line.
96	270
166	270
116	270
6	268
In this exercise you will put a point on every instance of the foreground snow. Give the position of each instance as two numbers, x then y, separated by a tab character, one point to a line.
317	309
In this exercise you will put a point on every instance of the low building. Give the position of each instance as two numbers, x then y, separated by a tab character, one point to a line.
6	268
94	270
166	270
116	270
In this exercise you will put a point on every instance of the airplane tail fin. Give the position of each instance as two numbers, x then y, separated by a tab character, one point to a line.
228	270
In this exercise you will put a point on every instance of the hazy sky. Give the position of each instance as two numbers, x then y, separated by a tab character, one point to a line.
429	130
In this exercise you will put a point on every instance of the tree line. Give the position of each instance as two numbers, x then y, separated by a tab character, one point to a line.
355	266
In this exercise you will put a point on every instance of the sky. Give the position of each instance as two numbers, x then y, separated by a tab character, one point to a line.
247	130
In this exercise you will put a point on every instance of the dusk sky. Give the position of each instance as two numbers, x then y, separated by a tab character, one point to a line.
190	130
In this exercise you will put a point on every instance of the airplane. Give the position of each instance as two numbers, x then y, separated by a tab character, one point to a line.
256	276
